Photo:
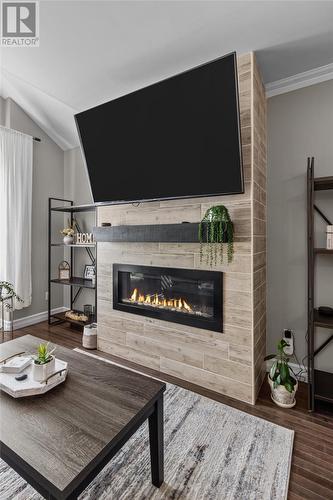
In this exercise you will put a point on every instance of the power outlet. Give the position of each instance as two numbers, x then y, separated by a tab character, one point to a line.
46	296
289	338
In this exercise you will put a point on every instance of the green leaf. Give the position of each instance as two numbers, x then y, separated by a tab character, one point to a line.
273	370
281	345
43	354
284	372
289	386
270	356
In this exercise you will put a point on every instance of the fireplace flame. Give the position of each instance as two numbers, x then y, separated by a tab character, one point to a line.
157	301
186	306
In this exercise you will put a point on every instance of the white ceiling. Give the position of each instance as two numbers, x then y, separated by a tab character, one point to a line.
93	51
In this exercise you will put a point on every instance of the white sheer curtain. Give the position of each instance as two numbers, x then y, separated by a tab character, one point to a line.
15	212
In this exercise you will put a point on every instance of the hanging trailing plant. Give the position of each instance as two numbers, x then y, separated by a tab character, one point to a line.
215	229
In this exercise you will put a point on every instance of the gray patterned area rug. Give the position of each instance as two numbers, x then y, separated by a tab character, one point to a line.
212	452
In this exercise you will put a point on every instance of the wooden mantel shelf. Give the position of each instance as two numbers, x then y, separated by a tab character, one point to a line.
186	232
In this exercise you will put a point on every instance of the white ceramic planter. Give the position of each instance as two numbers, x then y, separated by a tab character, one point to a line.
281	396
68	240
41	372
89	337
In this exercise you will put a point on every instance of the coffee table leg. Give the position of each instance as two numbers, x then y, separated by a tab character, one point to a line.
156	443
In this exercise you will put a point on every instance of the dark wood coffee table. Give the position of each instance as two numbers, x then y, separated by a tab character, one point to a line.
60	441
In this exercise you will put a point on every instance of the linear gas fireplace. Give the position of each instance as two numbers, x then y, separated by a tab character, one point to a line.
184	296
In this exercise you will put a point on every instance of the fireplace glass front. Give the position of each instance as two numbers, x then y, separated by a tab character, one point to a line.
185	296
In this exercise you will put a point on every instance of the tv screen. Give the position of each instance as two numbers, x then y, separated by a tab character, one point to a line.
177	138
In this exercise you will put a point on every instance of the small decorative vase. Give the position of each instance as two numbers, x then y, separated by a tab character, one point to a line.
89	337
41	372
68	240
281	396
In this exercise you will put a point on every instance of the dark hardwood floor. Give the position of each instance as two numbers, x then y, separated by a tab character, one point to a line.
312	463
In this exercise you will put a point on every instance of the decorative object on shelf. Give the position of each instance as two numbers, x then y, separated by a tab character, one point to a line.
76	316
329	240
68	233
283	384
215	229
325	310
84	238
43	363
88	310
64	270
89	338
89	272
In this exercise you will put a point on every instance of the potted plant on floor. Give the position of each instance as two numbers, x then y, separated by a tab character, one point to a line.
43	363
7	292
7	298
281	378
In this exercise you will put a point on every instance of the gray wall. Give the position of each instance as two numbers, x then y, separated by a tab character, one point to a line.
48	180
76	182
300	124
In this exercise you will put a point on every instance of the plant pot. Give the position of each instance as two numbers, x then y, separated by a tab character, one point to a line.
281	396
41	372
68	240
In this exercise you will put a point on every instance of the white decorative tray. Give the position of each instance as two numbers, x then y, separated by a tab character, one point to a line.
29	387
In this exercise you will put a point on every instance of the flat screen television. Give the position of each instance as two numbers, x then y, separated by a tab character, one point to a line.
177	138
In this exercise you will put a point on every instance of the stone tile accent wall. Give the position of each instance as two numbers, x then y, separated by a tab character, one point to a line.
230	362
259	228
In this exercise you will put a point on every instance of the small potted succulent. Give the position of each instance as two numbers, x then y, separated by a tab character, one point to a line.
68	233
43	363
281	378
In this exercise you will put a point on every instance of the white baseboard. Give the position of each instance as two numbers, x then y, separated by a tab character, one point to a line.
32	319
295	367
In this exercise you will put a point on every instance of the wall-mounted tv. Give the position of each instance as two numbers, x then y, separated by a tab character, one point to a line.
177	138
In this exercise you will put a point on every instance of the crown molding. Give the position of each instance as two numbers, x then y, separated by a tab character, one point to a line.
300	80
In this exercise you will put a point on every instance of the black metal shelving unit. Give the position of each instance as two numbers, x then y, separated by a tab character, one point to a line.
320	383
75	283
